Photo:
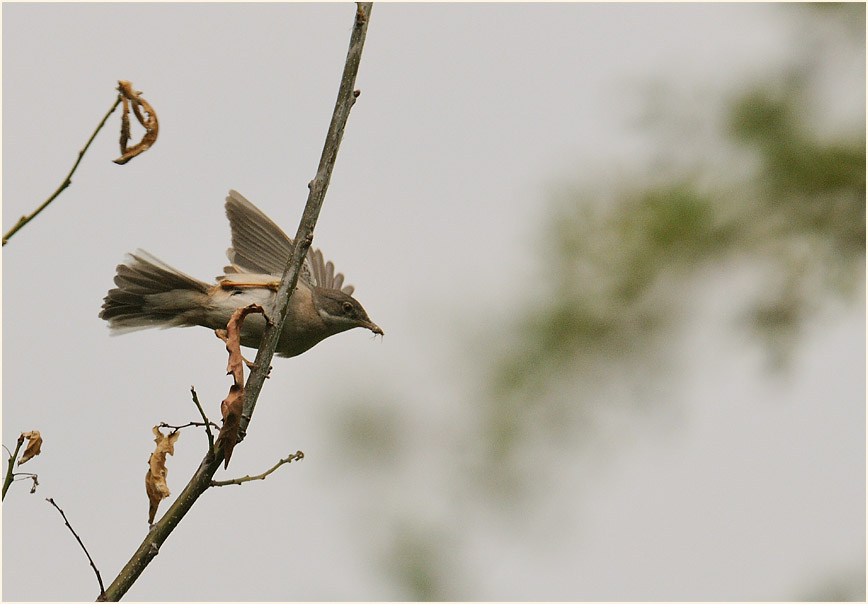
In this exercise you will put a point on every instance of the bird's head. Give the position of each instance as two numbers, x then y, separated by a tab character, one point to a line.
340	311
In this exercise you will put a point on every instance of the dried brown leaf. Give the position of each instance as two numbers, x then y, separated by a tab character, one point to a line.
235	368
150	123
233	404
34	445
231	407
155	480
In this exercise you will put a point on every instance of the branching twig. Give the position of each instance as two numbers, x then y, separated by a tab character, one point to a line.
9	473
205	419
69	526
222	483
66	182
201	479
175	428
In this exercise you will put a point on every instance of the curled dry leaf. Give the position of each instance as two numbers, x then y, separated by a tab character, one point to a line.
34	445
155	480
150	123
231	408
234	403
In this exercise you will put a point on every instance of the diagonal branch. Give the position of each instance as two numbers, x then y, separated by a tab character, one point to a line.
66	181
201	479
304	236
81	543
10	474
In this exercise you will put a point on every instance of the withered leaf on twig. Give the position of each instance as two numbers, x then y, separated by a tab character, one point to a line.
34	445
155	480
231	408
151	125
234	403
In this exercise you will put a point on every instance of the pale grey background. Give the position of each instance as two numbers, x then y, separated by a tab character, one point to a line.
470	115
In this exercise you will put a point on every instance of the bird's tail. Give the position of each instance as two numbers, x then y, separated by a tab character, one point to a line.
151	293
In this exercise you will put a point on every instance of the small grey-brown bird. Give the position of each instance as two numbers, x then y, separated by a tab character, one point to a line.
150	293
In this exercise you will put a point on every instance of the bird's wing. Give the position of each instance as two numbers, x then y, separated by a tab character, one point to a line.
324	273
259	246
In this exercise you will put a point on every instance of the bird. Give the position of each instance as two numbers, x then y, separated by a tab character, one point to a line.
150	293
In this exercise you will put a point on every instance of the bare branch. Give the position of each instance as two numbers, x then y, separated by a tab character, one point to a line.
304	235
11	466
187	425
66	181
77	538
205	419
222	483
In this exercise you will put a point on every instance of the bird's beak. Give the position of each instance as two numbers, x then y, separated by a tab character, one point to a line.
373	327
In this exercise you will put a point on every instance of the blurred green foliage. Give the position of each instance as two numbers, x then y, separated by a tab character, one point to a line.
812	187
416	562
615	275
613	283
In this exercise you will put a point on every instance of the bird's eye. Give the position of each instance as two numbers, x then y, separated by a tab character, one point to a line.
348	308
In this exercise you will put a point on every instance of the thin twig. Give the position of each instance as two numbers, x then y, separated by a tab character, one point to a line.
204	418
175	428
201	479
66	182
222	483
95	569
9	473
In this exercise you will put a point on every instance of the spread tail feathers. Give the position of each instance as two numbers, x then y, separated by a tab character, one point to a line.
151	293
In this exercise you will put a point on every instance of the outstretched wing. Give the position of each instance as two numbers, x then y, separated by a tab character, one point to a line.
324	273
259	246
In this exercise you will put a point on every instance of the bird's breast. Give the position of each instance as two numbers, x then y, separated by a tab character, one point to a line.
301	330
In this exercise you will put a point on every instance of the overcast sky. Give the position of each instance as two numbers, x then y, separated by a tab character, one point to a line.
470	115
